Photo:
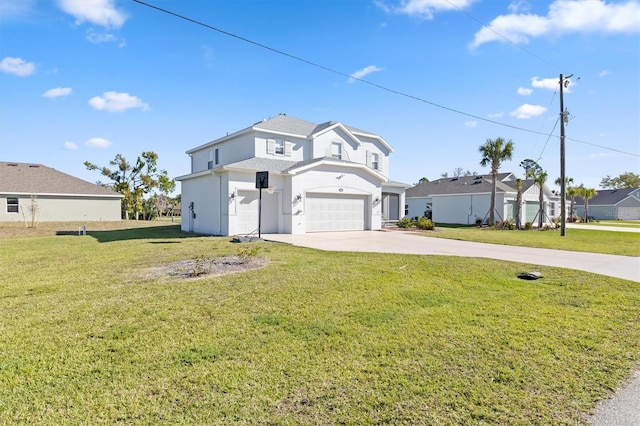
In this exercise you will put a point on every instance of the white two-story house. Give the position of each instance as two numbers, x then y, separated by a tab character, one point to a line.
322	177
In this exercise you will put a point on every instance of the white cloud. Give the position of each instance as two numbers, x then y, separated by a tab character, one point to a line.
363	72
527	111
519	6
10	8
97	38
552	83
496	115
58	91
17	66
564	17
471	124
98	143
424	9
604	73
70	146
116	102
98	12
524	91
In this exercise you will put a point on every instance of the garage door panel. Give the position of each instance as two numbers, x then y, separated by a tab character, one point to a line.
629	213
331	212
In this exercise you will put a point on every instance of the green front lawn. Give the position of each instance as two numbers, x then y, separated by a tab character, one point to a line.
608	242
89	336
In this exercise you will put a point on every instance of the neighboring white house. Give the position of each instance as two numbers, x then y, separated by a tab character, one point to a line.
467	199
33	192
322	177
608	204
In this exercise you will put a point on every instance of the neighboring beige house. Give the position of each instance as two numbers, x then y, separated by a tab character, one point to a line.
33	192
322	177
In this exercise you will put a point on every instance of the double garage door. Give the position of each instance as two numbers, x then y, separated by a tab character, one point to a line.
332	212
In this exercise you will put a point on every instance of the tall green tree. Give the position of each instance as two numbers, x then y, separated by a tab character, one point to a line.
133	181
518	203
540	180
494	153
569	191
572	193
625	180
586	194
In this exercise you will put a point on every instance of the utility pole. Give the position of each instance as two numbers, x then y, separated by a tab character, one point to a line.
563	195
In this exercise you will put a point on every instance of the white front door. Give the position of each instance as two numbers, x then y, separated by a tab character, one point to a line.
248	212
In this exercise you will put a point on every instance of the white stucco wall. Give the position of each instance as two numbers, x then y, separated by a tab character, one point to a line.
62	208
230	151
204	192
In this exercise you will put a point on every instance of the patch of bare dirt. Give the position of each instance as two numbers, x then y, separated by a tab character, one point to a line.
199	268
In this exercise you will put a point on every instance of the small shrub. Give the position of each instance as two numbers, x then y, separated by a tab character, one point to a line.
201	266
424	223
478	222
507	224
528	226
405	222
247	252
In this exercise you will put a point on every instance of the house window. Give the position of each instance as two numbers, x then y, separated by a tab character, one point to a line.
280	146
210	162
552	209
336	150
12	204
406	209
375	161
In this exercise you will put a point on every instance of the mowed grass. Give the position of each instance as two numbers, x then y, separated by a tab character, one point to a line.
587	240
87	336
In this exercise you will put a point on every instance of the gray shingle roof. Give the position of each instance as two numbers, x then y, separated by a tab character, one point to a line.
287	124
607	197
261	165
26	178
465	185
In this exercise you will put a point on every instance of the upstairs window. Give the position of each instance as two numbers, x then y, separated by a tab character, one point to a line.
12	205
375	161
279	147
210	160
336	150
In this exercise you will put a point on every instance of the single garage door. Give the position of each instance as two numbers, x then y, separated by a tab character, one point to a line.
247	211
332	212
629	213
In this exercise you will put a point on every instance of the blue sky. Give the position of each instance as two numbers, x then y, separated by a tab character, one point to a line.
88	79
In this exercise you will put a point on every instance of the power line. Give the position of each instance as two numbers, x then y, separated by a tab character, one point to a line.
331	70
547	141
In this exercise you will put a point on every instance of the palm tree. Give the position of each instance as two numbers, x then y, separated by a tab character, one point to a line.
494	152
586	194
572	192
539	180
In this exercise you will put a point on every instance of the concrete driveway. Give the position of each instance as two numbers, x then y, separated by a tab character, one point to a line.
410	243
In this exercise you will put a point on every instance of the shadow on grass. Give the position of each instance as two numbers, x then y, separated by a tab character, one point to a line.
158	233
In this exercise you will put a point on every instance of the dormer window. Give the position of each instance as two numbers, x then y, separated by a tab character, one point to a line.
375	161
336	150
279	147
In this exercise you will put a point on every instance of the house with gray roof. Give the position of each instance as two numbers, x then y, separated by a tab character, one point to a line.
320	177
467	199
608	204
36	193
